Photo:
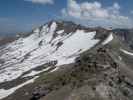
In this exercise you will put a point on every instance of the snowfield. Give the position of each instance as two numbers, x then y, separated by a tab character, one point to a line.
42	47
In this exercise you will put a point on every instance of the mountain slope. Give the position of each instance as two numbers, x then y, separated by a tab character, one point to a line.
61	56
44	45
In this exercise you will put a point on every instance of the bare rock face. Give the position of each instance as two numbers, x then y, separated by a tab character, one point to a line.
7	39
126	35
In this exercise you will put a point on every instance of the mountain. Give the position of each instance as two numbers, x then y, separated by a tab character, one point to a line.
61	60
6	39
126	35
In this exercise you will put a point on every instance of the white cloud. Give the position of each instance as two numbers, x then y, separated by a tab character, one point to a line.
94	11
116	6
42	1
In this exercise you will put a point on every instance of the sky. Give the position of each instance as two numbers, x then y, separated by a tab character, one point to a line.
18	16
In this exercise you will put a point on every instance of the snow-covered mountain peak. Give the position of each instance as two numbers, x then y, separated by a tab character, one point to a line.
57	41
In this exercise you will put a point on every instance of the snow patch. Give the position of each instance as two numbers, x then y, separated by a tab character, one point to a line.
5	93
126	52
109	39
54	69
33	73
60	31
36	30
120	58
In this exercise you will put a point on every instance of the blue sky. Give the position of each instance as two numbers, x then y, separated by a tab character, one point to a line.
23	15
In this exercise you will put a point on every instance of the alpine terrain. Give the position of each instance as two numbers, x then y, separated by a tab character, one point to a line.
61	60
